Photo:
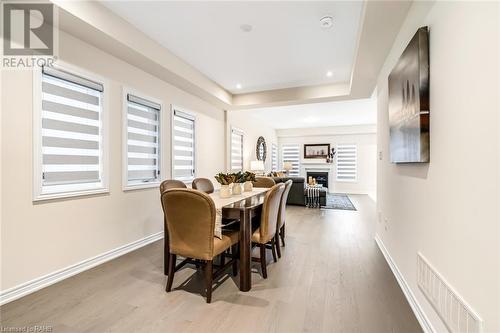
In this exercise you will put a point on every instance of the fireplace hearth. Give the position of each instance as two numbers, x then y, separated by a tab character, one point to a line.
321	177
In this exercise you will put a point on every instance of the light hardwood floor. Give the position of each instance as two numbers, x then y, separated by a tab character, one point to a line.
331	278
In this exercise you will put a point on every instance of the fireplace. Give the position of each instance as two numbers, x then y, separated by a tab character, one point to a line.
321	177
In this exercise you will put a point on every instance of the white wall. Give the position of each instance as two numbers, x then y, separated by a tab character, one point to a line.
364	136
448	209
253	128
41	238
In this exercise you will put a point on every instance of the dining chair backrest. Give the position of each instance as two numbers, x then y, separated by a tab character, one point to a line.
171	183
204	185
270	210
264	182
190	216
284	197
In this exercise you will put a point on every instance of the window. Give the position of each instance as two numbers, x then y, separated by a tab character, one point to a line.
291	154
236	149
68	135
274	157
142	137
347	163
183	146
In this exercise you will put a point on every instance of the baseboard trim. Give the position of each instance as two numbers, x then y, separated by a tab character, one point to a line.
412	300
29	287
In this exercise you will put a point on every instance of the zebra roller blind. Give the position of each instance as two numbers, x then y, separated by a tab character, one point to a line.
71	130
347	163
143	141
183	146
291	154
236	150
274	157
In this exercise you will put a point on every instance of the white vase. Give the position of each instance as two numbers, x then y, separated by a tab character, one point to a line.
236	188
248	186
225	191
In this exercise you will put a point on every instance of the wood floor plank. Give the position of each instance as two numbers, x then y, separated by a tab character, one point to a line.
331	278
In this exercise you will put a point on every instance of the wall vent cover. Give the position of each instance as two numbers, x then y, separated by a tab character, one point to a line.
453	310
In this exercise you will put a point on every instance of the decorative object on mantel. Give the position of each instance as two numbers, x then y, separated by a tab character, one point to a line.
249	177
317	150
261	149
257	166
409	102
331	155
287	166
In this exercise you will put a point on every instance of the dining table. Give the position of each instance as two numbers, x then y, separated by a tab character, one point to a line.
243	207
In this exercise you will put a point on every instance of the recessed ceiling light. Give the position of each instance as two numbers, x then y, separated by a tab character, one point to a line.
329	74
238	86
326	22
246	27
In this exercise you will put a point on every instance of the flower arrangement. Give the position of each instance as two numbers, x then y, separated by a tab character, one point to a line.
224	178
249	176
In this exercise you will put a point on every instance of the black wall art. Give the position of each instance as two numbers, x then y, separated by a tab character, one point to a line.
409	102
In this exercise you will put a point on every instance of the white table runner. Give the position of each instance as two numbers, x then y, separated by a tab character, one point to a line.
221	202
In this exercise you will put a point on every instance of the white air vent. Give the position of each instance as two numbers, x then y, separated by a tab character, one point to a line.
455	313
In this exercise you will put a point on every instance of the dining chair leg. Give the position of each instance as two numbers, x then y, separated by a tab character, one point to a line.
263	262
209	279
171	271
273	249
166	253
282	234
234	253
278	246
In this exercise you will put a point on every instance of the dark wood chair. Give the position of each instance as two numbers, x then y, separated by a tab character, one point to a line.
166	185
190	216
203	184
265	233
280	228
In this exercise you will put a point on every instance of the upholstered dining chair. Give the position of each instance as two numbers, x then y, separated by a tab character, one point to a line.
265	233
190	216
171	183
203	184
166	185
280	228
264	182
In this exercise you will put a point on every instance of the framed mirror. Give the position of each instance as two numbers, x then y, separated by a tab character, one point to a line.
261	149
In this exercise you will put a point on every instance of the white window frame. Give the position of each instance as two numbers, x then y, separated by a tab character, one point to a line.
173	108
299	158
242	133
79	189
355	180
125	184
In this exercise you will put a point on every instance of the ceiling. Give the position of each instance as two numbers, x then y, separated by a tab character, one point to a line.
342	113
285	48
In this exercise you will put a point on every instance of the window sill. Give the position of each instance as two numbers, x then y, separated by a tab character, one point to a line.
140	186
74	194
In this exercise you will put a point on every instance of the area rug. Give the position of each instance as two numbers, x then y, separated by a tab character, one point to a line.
338	201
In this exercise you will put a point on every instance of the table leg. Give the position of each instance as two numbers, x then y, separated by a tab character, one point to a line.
245	250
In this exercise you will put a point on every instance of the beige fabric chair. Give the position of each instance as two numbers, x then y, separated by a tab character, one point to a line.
264	182
190	216
203	184
280	228
166	185
266	232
